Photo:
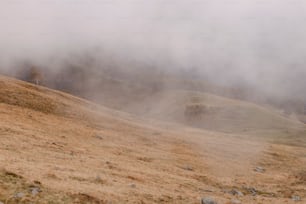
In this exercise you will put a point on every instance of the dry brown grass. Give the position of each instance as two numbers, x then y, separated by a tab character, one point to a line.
78	152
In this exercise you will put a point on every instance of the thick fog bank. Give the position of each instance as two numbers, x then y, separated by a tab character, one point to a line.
255	47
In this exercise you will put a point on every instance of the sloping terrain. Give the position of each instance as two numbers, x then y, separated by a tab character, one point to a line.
216	113
56	148
141	89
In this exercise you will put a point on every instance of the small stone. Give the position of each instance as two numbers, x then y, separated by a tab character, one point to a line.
37	182
35	191
98	179
253	191
132	185
208	201
188	168
98	137
236	192
234	201
260	169
19	195
296	198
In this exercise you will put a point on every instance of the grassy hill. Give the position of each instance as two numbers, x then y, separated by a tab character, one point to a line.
57	148
216	113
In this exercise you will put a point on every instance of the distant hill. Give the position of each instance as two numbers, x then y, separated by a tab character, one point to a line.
120	84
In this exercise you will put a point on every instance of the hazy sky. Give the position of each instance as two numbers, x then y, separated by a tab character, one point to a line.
261	41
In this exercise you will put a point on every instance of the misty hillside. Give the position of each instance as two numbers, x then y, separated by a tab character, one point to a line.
207	111
145	102
143	90
59	148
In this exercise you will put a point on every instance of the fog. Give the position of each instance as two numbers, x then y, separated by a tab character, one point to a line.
261	43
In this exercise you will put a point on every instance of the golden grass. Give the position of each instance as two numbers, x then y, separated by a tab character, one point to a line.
49	139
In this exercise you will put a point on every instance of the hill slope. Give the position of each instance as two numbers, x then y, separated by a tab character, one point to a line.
216	113
73	151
